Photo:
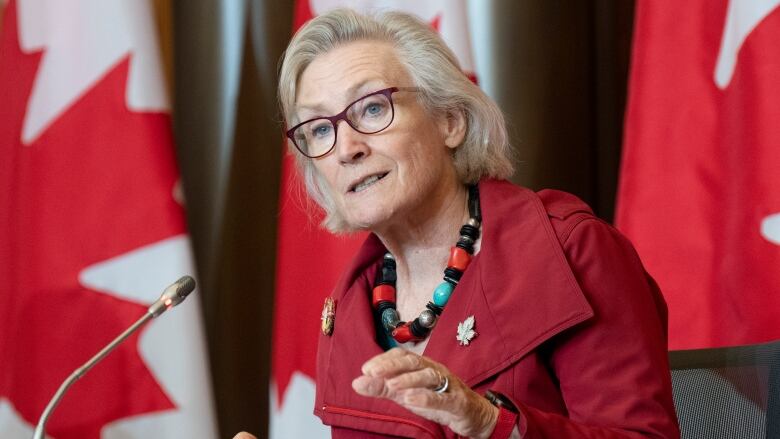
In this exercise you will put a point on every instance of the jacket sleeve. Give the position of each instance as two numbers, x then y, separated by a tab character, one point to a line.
612	370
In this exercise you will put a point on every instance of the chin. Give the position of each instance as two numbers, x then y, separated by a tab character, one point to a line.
366	221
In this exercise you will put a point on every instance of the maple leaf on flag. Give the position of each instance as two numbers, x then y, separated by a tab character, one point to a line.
93	185
698	190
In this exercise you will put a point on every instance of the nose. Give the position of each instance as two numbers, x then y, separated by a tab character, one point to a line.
350	144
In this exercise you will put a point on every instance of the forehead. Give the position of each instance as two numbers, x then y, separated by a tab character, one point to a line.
343	74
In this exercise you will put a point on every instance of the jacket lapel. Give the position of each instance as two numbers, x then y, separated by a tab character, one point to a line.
343	353
522	290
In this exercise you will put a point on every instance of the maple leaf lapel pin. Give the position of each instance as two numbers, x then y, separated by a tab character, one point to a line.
466	331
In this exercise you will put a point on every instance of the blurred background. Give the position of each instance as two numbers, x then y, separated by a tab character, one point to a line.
558	69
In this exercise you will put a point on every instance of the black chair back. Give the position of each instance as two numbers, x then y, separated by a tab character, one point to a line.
729	392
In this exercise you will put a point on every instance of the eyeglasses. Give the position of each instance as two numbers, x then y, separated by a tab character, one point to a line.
370	114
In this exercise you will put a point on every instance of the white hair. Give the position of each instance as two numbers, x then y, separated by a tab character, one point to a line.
434	69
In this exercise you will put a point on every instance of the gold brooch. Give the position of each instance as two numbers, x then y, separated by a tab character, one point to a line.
328	316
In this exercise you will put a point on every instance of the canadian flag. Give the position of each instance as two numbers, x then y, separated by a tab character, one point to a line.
92	228
309	259
700	185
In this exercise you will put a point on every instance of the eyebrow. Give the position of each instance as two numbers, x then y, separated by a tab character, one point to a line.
352	91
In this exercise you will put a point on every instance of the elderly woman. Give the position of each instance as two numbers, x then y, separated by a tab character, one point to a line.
475	307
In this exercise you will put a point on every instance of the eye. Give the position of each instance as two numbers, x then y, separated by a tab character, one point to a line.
321	130
374	109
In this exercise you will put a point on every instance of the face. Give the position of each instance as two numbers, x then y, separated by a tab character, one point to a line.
383	180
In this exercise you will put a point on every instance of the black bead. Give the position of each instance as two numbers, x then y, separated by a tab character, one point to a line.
418	330
386	275
470	231
452	275
383	305
466	245
435	308
475	211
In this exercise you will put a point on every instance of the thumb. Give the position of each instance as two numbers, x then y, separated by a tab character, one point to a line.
244	435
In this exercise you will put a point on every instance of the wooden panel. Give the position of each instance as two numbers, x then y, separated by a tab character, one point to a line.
164	18
561	70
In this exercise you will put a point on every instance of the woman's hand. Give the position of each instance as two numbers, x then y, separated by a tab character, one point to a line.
410	379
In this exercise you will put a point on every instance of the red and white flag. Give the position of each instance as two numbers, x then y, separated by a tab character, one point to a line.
92	228
700	185
309	259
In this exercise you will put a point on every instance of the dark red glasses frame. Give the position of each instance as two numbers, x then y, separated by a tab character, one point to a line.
387	92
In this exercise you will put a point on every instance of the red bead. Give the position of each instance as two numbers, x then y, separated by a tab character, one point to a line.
403	334
382	293
459	259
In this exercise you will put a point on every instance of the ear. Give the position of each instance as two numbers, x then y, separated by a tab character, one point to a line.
453	128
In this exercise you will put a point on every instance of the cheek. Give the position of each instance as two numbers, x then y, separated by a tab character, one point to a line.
324	178
421	173
325	174
426	161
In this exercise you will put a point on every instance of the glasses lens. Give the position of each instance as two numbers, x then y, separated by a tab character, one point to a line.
315	137
371	114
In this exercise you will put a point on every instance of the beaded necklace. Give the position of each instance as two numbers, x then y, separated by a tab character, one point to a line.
383	293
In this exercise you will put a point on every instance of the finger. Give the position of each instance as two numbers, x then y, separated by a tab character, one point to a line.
370	386
244	435
428	399
467	415
391	365
374	366
428	378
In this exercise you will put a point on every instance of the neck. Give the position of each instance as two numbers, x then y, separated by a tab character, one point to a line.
421	244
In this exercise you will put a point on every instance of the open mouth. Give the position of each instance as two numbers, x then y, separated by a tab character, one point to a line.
367	182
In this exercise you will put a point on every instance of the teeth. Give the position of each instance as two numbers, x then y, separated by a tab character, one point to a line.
366	183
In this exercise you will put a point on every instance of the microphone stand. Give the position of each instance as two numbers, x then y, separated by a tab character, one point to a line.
78	373
172	296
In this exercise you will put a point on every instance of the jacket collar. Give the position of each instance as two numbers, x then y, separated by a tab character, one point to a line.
522	289
513	313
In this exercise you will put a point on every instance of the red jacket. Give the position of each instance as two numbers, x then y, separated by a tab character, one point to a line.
570	327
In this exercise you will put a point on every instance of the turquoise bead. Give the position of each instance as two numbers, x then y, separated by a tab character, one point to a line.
442	293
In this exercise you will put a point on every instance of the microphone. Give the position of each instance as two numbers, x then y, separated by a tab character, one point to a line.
173	295
170	297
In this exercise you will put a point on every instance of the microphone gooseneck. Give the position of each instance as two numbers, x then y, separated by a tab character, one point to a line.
170	297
